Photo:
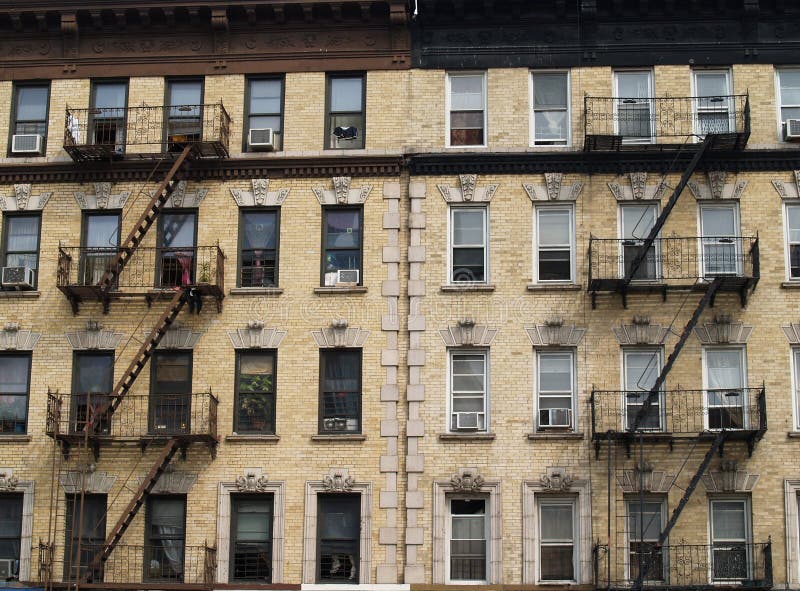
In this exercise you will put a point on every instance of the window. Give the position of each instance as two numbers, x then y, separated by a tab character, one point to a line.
555	383
346	122
185	119
725	393
468	556
637	221
641	369
165	538
177	248
468	391
340	391
557	547
15	372
255	392
171	392
100	241
793	240
31	107
646	518
788	97
550	91
258	254
92	381
555	244
466	99
719	228
338	538
730	537
108	114
85	536
634	106
796	381
264	105
10	535
342	244
251	538
713	106
469	255
21	242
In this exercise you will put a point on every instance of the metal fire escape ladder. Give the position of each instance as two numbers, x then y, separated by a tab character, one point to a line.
134	505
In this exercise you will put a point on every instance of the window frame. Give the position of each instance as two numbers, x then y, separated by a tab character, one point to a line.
27	395
13	118
546	352
451	211
451	353
323	355
319	500
78	400
537	209
70	537
247	114
235	499
270	427
696	106
779	99
651	95
94	82
448	107
787	244
329	114
658	274
165	124
487	537
160	248
658	352
706	240
243	211
148	539
748	526
7	216
744	405
156	398
794	364
567	142
15	496
631	500
324	240
572	501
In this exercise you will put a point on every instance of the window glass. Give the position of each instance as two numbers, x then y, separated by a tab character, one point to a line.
338	537
11	530
468	240
556	522
22	241
554	243
85	534
259	240
725	397
110	95
265	107
711	83
790	94
342	242
555	389
468	539
346	94
166	532
641	371
102	231
467	109
550	106
644	528
14	384
637	221
185	93
730	535
177	241
251	538
256	392
346	124
468	391
32	103
341	391
796	355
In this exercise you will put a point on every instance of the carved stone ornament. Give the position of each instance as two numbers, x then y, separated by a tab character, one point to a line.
643	477
468	190
342	194
553	189
792	332
554	333
338	480
723	331
8	482
641	332
88	481
556	480
467	480
339	334
789	190
253	481
715	185
12	338
182	198
729	479
468	334
94	337
102	198
179	337
256	336
634	187
260	195
23	200
174	482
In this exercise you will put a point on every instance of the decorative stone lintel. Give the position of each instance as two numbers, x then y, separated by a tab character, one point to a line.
342	194
729	479
12	338
182	198
253	480
338	334
260	195
644	478
94	337
23	200
789	190
102	198
715	186
556	480
338	480
179	337
467	191
792	332
256	336
553	189
635	188
468	334
88	481
723	331
467	480
8	482
641	332
175	482
554	333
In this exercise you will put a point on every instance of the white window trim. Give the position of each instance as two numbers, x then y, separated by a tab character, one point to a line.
791	488
556	499
450	228
786	246
794	365
745	402
748	530
695	110
574	407
649	498
448	93
572	244
442	490
531	490
532	111
26	538
659	351
778	103
278	491
486	387
448	537
734	205
651	94
621	234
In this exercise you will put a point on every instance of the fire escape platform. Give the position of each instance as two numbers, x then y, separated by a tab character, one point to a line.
720	142
731	283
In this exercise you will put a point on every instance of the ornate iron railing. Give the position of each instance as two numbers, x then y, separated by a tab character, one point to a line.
157	415
656	119
679	411
685	566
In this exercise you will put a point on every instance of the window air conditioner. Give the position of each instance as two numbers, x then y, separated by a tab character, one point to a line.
19	277
469	421
347	276
6	568
555	417
28	143
261	139
791	130
335	424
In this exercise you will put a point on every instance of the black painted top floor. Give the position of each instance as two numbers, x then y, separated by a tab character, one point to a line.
465	34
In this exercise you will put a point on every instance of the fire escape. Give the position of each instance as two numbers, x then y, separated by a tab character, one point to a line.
648	413
82	423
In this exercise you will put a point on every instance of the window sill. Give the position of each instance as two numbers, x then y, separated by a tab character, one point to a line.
352	437
19	294
454	288
15	438
793	434
251	438
336	290
555	435
466	436
554	287
251	291
790	285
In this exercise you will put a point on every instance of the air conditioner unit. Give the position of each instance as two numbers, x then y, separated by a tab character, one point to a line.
347	276
28	143
469	421
19	277
791	130
7	568
335	424
261	139
555	417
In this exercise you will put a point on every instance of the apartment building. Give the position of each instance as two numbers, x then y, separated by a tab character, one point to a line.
400	295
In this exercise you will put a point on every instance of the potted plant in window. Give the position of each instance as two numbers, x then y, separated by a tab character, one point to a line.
254	403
